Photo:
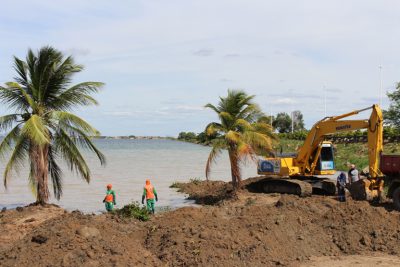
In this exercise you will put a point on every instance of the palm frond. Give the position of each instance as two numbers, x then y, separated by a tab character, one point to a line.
32	178
78	95
7	121
67	118
17	158
250	113
69	151
35	130
9	139
216	150
261	143
245	151
14	98
21	68
83	140
243	125
211	106
233	137
213	128
55	174
27	97
226	117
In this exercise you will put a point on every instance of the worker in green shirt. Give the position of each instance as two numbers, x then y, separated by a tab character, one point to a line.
109	199
150	193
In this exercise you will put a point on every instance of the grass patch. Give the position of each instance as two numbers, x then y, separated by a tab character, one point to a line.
133	210
175	185
195	181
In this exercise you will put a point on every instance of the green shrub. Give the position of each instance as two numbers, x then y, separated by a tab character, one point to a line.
174	185
195	181
133	210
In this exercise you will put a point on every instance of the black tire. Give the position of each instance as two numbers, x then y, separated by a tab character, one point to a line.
396	198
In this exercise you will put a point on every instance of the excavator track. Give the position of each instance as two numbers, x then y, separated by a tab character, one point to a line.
301	186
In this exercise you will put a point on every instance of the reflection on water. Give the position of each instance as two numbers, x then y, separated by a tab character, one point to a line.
129	163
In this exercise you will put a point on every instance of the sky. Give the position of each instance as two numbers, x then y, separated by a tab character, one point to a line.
162	61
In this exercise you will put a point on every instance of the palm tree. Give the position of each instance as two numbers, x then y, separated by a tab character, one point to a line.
239	131
41	127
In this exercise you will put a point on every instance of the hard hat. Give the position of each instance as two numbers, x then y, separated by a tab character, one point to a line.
109	186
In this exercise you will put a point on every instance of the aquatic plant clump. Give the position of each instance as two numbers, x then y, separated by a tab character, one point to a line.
133	210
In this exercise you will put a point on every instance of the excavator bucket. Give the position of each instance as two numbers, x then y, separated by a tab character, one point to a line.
361	190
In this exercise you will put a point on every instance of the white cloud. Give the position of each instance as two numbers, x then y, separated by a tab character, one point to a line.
144	51
203	52
284	101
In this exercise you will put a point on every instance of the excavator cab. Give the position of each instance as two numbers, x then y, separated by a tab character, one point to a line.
325	164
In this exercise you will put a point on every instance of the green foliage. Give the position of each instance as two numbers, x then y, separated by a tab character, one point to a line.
187	136
355	153
195	181
392	115
201	138
41	126
239	131
388	132
282	123
133	210
299	135
175	185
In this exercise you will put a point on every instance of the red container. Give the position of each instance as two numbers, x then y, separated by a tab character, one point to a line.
390	164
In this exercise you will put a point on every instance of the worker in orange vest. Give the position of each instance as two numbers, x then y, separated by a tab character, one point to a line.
150	193
109	199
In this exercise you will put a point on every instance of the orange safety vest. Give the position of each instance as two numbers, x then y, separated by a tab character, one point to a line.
109	198
149	191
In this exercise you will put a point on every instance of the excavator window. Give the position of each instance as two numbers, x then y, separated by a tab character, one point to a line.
326	159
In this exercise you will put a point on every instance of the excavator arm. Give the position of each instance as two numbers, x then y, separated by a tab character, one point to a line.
310	150
299	174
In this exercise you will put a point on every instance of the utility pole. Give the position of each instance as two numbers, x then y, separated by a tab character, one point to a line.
292	121
380	87
270	114
325	100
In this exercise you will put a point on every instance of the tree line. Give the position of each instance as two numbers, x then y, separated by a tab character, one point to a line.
282	122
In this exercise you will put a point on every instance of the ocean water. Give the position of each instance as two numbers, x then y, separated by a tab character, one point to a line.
129	164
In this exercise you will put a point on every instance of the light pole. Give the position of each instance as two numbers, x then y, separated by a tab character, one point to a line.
380	87
324	101
270	114
292	120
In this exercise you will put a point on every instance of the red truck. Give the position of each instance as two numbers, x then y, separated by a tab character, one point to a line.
390	166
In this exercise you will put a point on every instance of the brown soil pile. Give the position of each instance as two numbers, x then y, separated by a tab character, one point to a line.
75	239
248	229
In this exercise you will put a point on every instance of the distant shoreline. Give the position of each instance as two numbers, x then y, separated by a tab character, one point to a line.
133	137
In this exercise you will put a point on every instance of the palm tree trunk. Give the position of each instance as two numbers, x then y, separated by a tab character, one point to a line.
39	155
235	171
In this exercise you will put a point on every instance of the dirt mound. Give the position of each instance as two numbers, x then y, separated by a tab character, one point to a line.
207	192
290	231
249	229
15	224
74	239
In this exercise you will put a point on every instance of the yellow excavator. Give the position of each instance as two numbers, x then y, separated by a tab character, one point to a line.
303	173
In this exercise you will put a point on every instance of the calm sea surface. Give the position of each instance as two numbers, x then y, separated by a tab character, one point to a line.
129	164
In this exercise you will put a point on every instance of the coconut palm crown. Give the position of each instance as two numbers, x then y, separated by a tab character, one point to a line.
42	130
240	131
